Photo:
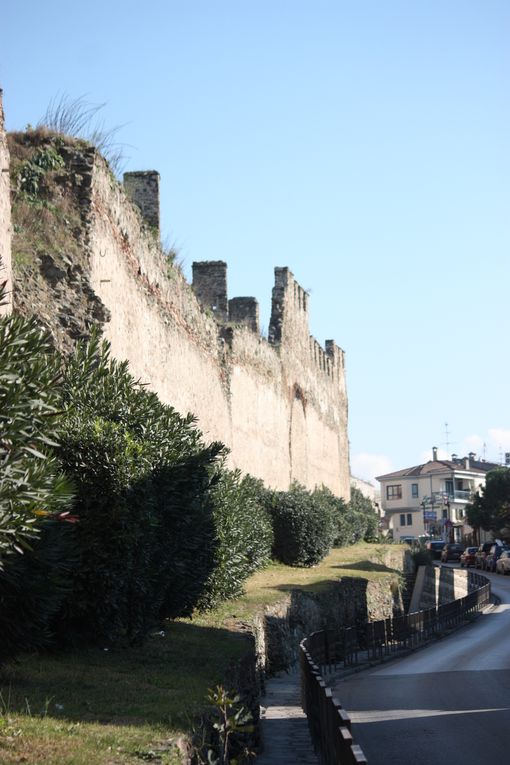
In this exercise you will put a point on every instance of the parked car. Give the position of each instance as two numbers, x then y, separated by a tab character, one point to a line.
503	562
435	547
451	551
481	554
493	556
468	557
411	541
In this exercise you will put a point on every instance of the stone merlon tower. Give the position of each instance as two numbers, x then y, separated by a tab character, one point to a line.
143	189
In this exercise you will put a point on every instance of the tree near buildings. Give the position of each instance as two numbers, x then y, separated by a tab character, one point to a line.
490	508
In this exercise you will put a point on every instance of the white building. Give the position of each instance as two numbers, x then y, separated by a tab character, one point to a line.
368	490
431	499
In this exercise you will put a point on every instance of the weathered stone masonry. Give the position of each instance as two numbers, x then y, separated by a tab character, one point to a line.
280	405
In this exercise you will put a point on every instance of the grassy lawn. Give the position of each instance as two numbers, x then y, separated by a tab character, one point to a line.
107	707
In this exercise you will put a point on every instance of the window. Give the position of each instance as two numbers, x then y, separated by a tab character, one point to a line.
394	492
409	519
414	489
445	512
402	520
448	485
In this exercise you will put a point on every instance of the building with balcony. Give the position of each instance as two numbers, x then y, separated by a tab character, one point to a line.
431	499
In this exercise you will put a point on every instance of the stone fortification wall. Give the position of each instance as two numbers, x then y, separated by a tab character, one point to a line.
156	321
5	217
280	404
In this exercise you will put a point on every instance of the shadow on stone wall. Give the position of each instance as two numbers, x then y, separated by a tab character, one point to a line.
347	602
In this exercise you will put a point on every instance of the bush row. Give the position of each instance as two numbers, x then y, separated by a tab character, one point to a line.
135	519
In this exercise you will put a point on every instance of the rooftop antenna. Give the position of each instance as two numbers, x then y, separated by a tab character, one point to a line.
447	443
484	450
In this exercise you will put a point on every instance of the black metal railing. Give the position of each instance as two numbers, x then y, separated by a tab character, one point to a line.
326	651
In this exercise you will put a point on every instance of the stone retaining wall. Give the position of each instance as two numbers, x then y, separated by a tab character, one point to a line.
436	585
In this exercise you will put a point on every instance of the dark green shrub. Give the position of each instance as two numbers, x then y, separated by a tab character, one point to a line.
367	527
143	480
33	588
372	533
304	526
354	520
31	482
35	547
243	536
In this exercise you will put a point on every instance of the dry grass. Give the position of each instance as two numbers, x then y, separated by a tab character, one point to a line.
98	707
49	224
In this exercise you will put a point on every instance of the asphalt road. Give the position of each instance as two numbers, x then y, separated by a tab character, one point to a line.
449	702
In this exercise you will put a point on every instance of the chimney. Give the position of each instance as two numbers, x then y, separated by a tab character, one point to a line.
472	456
466	462
454	457
434	453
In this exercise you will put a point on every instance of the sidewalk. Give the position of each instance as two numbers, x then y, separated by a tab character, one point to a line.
285	736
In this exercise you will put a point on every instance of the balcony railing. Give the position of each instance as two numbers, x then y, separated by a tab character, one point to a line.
463	495
442	497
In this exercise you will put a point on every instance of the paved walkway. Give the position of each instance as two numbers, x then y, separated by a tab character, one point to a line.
285	735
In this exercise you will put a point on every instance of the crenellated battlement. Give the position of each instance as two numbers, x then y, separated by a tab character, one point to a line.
289	312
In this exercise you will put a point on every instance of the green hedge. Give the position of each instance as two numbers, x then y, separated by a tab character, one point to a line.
164	527
243	536
36	549
304	526
354	520
34	588
31	481
143	478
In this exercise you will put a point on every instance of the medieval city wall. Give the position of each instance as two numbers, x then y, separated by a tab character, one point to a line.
5	217
156	322
280	405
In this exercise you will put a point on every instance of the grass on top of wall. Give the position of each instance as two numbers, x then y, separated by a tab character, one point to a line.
267	586
112	707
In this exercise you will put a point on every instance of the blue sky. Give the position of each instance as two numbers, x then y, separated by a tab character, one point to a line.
364	144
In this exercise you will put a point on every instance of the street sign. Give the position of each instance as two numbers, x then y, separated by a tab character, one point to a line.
430	515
